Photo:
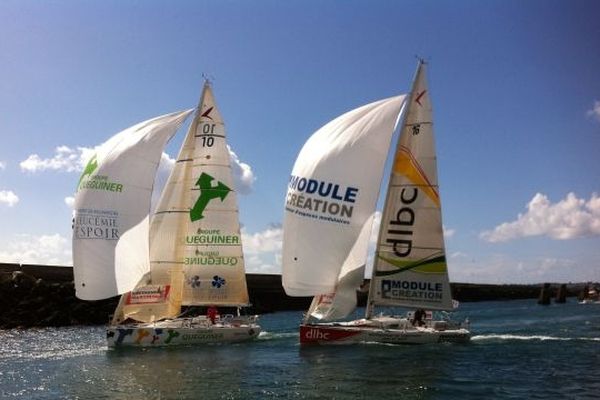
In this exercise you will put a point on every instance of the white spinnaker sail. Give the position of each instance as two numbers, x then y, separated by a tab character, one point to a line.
410	265
195	231
332	192
112	203
339	304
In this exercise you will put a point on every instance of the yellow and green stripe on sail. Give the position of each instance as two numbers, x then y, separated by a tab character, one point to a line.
435	264
406	164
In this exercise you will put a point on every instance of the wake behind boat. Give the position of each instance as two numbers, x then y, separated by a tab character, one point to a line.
188	254
324	255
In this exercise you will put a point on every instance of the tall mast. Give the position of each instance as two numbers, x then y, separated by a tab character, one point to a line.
370	300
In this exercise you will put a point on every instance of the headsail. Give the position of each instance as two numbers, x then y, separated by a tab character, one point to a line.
112	203
340	303
410	264
195	240
332	193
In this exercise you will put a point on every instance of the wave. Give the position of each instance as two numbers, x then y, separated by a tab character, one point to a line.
383	344
266	335
496	337
53	354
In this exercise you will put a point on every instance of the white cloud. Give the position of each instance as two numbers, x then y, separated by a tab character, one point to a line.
70	201
568	219
242	173
2	165
448	233
64	159
502	268
8	197
31	249
458	255
262	250
268	240
595	111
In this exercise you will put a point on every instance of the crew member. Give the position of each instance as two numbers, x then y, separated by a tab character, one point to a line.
212	313
418	317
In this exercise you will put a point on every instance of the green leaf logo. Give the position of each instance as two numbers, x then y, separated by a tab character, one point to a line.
208	192
89	169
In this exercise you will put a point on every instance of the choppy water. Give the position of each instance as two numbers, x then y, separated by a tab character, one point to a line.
520	350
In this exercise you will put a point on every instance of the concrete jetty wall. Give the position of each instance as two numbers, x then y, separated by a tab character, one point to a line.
41	295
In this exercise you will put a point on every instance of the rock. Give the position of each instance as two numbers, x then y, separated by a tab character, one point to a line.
24	282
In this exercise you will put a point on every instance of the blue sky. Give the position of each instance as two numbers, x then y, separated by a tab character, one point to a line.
515	88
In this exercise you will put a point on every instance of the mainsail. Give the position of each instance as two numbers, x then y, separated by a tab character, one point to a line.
410	264
331	197
195	241
112	204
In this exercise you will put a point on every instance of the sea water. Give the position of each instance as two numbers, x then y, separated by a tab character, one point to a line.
519	350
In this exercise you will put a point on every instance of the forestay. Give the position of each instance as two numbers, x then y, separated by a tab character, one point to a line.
112	205
332	193
410	266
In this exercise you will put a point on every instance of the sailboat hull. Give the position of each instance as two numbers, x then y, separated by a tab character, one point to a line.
339	333
181	332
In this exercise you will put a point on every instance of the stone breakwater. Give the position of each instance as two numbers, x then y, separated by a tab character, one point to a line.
27	301
37	296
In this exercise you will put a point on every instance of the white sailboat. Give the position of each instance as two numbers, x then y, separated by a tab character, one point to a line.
188	253
330	203
590	295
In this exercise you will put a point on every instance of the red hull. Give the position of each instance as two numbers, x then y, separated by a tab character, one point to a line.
315	335
328	334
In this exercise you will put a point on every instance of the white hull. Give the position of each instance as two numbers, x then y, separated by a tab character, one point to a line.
182	331
382	330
